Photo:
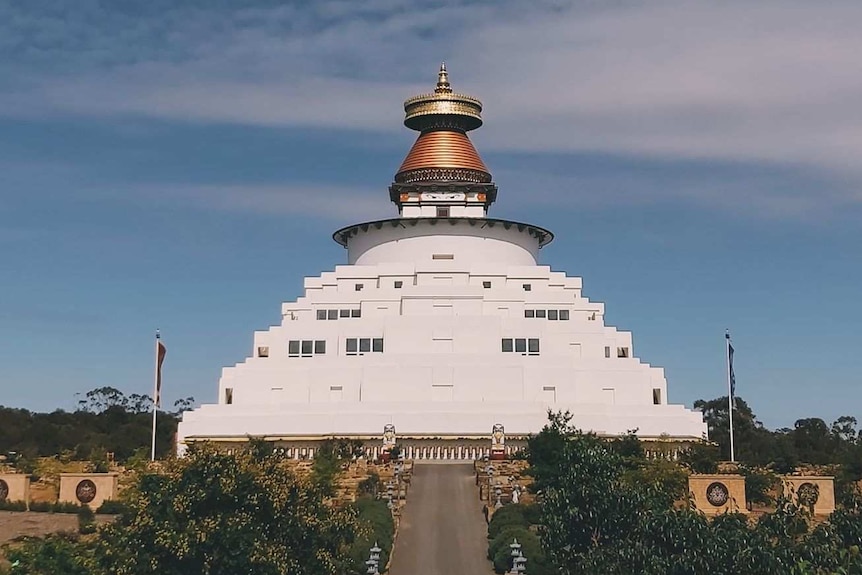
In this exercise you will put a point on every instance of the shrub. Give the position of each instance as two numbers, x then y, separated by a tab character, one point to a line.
86	520
13	505
701	457
531	549
507	516
65	507
112	507
759	485
41	506
375	526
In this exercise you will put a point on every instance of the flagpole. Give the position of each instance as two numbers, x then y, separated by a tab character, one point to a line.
155	397
729	393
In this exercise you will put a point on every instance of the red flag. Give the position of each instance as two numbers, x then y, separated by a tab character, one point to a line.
161	351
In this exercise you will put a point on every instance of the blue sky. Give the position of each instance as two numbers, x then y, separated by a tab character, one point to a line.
182	165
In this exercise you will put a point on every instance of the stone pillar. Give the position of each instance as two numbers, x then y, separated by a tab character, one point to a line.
716	494
91	489
15	487
816	493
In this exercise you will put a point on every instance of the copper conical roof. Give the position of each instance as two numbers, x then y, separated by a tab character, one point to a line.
443	152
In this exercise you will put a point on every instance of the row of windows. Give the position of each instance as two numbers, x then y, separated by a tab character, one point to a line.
524	346
309	347
551	314
305	347
335	313
361	346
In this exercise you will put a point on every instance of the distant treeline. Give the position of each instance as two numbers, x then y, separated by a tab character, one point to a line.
106	422
809	441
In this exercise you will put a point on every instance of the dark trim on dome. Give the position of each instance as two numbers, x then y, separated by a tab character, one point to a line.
343	235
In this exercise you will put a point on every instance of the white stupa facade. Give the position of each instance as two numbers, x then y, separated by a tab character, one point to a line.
442	324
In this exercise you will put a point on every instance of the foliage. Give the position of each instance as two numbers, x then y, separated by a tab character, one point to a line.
545	449
6	505
595	521
809	441
701	457
531	549
369	486
214	513
112	507
376	526
54	507
329	459
759	485
209	513
52	555
507	516
86	520
106	421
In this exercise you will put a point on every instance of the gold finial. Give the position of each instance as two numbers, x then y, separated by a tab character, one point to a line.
442	80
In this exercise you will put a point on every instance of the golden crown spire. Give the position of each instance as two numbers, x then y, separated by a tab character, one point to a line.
443	108
443	81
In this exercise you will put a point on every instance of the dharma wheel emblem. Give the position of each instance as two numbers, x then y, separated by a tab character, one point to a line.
717	494
807	494
85	491
4	490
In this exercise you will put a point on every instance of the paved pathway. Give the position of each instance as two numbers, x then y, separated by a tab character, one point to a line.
442	530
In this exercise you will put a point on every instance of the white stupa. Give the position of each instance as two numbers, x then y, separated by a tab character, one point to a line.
443	325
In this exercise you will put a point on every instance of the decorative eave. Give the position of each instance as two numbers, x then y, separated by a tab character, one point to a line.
418	187
343	235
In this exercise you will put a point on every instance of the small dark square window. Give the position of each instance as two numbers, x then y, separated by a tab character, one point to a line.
622	352
564	315
319	346
540	313
293	347
529	313
486	285
507	345
398	284
356	313
344	313
520	346
527	287
358	287
552	314
307	347
263	351
377	345
321	314
351	345
442	212
332	314
365	344
533	346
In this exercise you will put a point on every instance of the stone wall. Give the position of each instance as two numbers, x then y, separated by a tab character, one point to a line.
15	487
91	489
716	494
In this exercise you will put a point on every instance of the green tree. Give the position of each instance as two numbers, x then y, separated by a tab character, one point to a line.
213	513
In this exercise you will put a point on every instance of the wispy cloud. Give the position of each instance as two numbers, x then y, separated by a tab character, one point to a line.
775	82
338	204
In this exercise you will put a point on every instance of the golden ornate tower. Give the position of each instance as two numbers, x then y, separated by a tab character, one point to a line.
443	175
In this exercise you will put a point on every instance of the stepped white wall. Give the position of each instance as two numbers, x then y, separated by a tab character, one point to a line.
442	370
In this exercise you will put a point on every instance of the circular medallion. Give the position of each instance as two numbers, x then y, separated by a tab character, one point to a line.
717	494
85	491
807	494
4	490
